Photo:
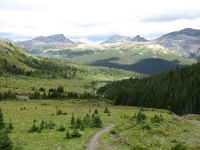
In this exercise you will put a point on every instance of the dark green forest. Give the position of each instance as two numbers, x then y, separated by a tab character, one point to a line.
176	90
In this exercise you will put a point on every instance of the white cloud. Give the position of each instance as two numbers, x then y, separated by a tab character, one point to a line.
80	18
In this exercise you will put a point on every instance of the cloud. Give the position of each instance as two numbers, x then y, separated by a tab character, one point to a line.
167	16
15	36
20	5
91	18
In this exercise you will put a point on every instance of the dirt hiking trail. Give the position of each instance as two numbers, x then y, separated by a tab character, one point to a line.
93	143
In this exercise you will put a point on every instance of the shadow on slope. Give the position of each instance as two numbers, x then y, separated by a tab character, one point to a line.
148	66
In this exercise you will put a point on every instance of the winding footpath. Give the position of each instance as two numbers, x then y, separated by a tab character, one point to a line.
94	143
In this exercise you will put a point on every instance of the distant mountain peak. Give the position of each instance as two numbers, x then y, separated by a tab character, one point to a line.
117	39
138	39
185	42
190	32
53	38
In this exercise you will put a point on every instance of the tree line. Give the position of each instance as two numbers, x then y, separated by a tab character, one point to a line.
55	67
52	93
177	90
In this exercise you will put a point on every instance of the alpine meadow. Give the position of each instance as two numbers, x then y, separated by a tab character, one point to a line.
121	94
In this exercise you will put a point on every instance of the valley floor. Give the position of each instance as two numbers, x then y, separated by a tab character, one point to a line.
126	134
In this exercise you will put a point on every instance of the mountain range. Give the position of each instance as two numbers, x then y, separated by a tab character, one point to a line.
53	38
185	43
137	54
123	39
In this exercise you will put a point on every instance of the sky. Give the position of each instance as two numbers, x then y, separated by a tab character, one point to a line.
96	19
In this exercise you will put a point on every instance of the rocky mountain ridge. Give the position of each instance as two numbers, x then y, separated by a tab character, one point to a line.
117	39
53	38
138	39
123	39
185	42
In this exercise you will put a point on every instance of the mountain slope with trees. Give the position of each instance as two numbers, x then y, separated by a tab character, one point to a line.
122	52
14	60
31	77
142	57
176	90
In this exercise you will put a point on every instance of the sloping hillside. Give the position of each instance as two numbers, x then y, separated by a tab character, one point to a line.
175	90
12	55
13	59
25	74
146	58
185	42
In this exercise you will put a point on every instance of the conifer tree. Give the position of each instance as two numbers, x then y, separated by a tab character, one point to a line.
73	120
5	142
2	124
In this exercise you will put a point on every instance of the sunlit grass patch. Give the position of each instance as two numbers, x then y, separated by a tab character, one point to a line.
126	133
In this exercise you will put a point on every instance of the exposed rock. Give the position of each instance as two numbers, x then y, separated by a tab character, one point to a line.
53	38
138	39
185	42
42	43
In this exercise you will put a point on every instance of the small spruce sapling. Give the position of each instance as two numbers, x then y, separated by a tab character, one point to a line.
73	120
61	128
2	124
68	135
106	110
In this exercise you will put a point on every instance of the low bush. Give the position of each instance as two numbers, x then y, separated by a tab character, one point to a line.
61	128
34	128
157	119
179	146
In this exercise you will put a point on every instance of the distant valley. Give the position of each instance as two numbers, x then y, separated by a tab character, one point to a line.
62	89
134	54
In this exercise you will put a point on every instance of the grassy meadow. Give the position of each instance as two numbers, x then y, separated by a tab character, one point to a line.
24	85
127	133
23	74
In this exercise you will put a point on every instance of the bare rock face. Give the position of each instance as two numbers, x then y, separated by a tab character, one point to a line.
117	39
185	42
42	43
53	38
138	39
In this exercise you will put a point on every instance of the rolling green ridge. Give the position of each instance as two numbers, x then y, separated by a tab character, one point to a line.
146	58
22	73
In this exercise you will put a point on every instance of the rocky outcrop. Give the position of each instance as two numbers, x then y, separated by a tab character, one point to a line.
138	39
53	38
185	42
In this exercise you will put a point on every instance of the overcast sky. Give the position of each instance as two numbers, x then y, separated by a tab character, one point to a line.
96	19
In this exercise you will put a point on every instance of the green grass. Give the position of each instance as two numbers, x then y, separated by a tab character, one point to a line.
128	134
24	84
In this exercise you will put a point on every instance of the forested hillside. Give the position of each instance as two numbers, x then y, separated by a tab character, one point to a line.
141	57
177	90
35	77
14	60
